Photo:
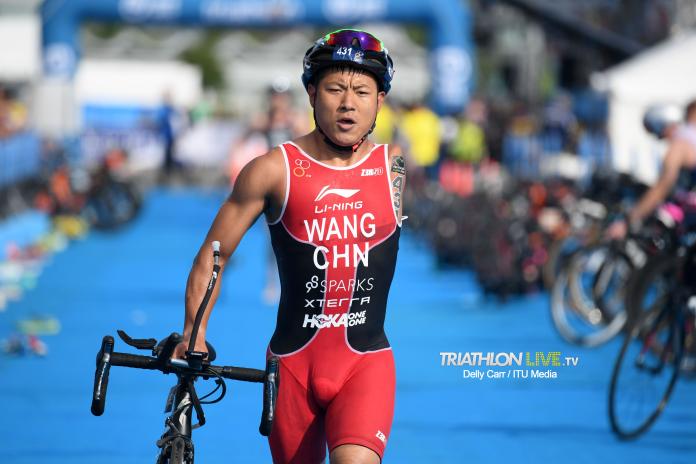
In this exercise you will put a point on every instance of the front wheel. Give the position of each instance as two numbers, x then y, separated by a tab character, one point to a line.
645	371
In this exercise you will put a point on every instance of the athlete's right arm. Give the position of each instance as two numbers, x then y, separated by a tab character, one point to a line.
254	190
651	199
671	166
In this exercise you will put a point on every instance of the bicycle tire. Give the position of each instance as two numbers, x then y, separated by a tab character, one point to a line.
573	310
610	285
662	266
557	255
644	332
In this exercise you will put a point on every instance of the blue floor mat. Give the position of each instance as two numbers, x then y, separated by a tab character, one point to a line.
135	280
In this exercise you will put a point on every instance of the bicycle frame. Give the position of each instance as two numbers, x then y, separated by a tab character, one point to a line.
178	426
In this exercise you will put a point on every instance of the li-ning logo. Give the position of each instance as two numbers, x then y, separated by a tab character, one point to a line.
345	193
381	436
372	172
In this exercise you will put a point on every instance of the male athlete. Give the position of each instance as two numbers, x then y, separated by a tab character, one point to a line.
332	200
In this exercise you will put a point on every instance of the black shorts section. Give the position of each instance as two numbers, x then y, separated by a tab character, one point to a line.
297	276
378	275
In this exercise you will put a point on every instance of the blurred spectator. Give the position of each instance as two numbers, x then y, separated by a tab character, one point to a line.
559	125
281	122
521	149
169	123
13	114
469	144
466	150
386	123
202	111
421	130
594	148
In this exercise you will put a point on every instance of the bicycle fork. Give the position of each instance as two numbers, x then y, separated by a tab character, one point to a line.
177	432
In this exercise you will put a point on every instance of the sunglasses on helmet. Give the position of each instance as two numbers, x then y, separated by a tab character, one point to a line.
352	38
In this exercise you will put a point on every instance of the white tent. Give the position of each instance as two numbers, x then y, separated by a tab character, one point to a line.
20	44
141	83
665	73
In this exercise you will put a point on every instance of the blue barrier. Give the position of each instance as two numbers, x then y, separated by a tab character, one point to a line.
20	158
448	23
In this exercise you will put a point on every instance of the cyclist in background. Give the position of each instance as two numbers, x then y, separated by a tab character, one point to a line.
332	199
664	122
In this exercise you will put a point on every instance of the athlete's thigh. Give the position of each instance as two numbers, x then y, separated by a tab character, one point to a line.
298	434
362	411
353	454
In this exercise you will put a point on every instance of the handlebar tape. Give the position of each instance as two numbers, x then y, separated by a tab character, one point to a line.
243	373
134	360
270	394
101	375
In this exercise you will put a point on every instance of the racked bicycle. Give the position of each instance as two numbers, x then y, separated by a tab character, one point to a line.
658	347
176	444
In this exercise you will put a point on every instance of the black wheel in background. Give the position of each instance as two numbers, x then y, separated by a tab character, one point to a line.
645	372
651	285
574	309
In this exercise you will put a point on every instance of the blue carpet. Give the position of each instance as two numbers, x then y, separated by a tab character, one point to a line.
135	280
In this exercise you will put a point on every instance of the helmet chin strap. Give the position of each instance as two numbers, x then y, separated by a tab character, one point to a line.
342	148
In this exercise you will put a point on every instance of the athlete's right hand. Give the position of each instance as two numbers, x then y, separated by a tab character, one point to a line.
180	349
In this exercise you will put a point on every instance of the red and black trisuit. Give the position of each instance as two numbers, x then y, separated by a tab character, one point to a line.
336	242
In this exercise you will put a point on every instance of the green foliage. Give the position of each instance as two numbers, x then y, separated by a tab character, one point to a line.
202	55
104	30
418	34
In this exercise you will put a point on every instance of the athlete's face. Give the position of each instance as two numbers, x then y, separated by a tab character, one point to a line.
345	103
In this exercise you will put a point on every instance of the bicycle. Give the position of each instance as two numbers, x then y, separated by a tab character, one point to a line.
102	195
652	354
176	444
587	296
593	297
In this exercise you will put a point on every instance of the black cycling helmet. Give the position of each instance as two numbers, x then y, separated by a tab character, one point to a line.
658	118
357	49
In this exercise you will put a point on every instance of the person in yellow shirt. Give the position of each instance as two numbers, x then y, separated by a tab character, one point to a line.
421	130
469	145
385	125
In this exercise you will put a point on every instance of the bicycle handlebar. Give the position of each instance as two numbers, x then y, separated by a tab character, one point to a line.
180	366
101	375
106	358
194	366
